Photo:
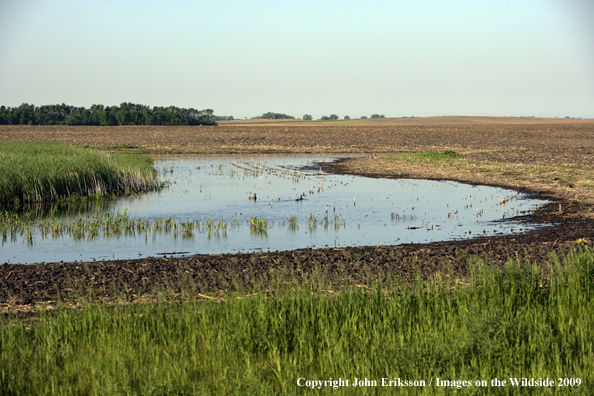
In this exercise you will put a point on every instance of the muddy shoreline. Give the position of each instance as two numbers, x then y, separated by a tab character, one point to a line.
28	288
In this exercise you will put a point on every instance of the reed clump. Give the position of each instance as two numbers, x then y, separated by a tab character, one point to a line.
45	171
259	224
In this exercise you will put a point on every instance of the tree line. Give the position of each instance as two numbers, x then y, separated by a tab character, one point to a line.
273	116
333	117
222	118
97	114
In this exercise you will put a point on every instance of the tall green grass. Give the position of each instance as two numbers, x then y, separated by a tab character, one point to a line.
44	171
499	323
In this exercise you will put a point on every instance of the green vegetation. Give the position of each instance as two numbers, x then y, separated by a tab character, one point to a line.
430	156
125	114
516	321
222	118
273	116
43	171
259	224
28	225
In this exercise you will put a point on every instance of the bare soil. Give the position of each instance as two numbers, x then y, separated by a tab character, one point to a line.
553	160
572	143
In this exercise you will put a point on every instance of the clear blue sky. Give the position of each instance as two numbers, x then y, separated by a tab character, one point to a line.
244	58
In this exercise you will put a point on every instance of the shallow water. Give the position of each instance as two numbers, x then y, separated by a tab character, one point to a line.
348	211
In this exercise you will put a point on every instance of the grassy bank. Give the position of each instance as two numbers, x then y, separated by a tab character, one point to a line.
498	323
43	171
575	178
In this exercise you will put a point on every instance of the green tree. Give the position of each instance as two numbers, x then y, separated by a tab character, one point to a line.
274	116
347	117
73	119
123	117
106	118
307	117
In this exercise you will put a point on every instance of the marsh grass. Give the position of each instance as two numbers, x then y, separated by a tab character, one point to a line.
516	321
28	224
259	225
43	171
292	221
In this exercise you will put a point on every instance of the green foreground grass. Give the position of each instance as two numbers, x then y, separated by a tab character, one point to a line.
44	171
511	322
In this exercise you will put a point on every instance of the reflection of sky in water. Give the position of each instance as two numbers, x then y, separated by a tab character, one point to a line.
370	211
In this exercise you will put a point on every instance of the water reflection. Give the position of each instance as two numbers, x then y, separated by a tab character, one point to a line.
206	209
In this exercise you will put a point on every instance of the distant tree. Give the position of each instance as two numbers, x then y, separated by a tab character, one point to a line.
363	117
73	119
333	117
222	118
274	116
347	117
307	117
107	118
123	116
378	116
325	118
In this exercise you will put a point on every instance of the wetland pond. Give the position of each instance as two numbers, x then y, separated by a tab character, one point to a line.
204	209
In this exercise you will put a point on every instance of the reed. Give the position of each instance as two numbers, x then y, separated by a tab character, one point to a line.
44	171
259	223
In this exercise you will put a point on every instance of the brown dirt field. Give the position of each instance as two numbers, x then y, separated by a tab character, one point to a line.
553	160
565	144
439	120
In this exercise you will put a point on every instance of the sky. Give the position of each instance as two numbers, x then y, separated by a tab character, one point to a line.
244	58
